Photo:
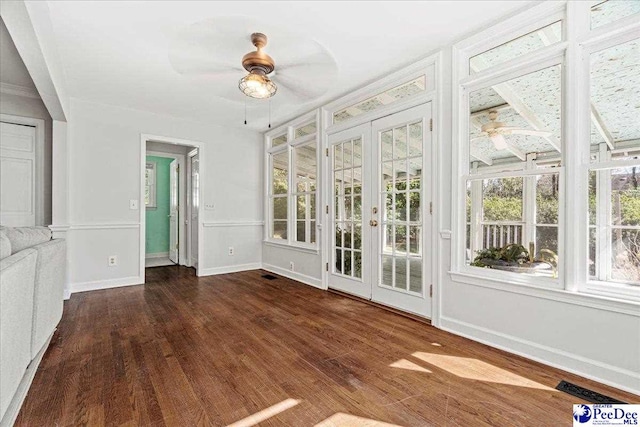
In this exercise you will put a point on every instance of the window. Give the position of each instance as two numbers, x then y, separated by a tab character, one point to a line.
305	192
150	185
515	48
293	174
605	12
614	190
279	194
512	198
548	178
403	91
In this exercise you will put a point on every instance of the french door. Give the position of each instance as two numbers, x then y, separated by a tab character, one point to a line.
380	218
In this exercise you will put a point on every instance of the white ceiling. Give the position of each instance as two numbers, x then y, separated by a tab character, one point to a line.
118	52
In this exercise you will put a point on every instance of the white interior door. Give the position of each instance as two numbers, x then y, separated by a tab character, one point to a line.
401	186
349	207
174	210
195	207
17	175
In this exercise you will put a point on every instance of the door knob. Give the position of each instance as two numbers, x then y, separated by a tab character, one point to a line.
373	223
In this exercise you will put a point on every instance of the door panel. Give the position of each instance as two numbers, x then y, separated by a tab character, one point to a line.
173	211
349	266
400	153
17	175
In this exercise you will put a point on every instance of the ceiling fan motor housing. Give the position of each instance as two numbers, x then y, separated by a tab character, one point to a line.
258	62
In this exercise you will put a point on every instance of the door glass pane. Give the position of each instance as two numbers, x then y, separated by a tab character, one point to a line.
415	139
348	235
414	206
357	264
401	273
386	139
415	275
357	236
338	261
347	263
357	152
400	143
387	270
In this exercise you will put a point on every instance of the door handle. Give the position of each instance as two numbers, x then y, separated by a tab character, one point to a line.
373	223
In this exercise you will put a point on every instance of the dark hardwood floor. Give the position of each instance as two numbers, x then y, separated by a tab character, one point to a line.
238	348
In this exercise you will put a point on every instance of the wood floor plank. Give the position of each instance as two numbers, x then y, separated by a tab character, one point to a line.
213	351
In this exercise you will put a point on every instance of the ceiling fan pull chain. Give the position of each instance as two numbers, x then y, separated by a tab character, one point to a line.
269	113
245	111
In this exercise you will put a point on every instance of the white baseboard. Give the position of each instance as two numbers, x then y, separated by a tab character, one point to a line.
601	372
157	255
228	269
23	388
307	280
106	284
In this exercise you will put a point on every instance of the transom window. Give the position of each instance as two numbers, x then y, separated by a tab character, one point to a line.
406	90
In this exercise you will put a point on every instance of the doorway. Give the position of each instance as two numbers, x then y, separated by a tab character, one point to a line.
170	220
380	222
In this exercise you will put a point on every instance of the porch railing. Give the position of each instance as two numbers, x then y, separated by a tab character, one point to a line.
500	234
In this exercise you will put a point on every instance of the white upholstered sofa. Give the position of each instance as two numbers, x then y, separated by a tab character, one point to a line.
32	275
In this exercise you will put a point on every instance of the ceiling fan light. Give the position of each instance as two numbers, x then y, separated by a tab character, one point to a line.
498	141
256	85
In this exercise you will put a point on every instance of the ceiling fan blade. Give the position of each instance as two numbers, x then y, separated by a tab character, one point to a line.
294	90
478	138
304	90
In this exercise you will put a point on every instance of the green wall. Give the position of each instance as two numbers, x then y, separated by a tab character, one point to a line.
157	220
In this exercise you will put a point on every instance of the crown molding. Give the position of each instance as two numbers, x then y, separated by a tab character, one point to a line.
24	91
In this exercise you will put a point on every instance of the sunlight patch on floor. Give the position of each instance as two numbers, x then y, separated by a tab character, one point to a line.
475	369
340	419
407	364
267	413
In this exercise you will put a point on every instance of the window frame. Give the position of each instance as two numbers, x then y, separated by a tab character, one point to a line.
289	148
578	41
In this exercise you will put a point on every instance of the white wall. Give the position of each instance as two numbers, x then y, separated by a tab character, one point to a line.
104	154
307	266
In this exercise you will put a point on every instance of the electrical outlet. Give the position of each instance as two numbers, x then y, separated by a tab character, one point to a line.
291	266
231	251
113	260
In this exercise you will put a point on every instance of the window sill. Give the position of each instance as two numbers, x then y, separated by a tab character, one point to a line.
283	245
559	295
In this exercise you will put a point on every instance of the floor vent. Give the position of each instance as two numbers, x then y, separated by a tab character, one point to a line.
269	277
585	393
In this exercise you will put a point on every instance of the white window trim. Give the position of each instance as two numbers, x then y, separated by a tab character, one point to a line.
578	41
289	128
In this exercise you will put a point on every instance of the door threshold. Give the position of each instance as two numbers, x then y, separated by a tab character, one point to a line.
382	306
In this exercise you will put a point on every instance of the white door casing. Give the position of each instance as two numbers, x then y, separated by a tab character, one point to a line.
194	161
174	217
18	146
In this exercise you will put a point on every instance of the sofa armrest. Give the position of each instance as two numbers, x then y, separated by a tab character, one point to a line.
49	291
17	278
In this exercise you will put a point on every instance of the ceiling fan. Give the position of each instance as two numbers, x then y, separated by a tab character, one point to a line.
209	52
495	131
